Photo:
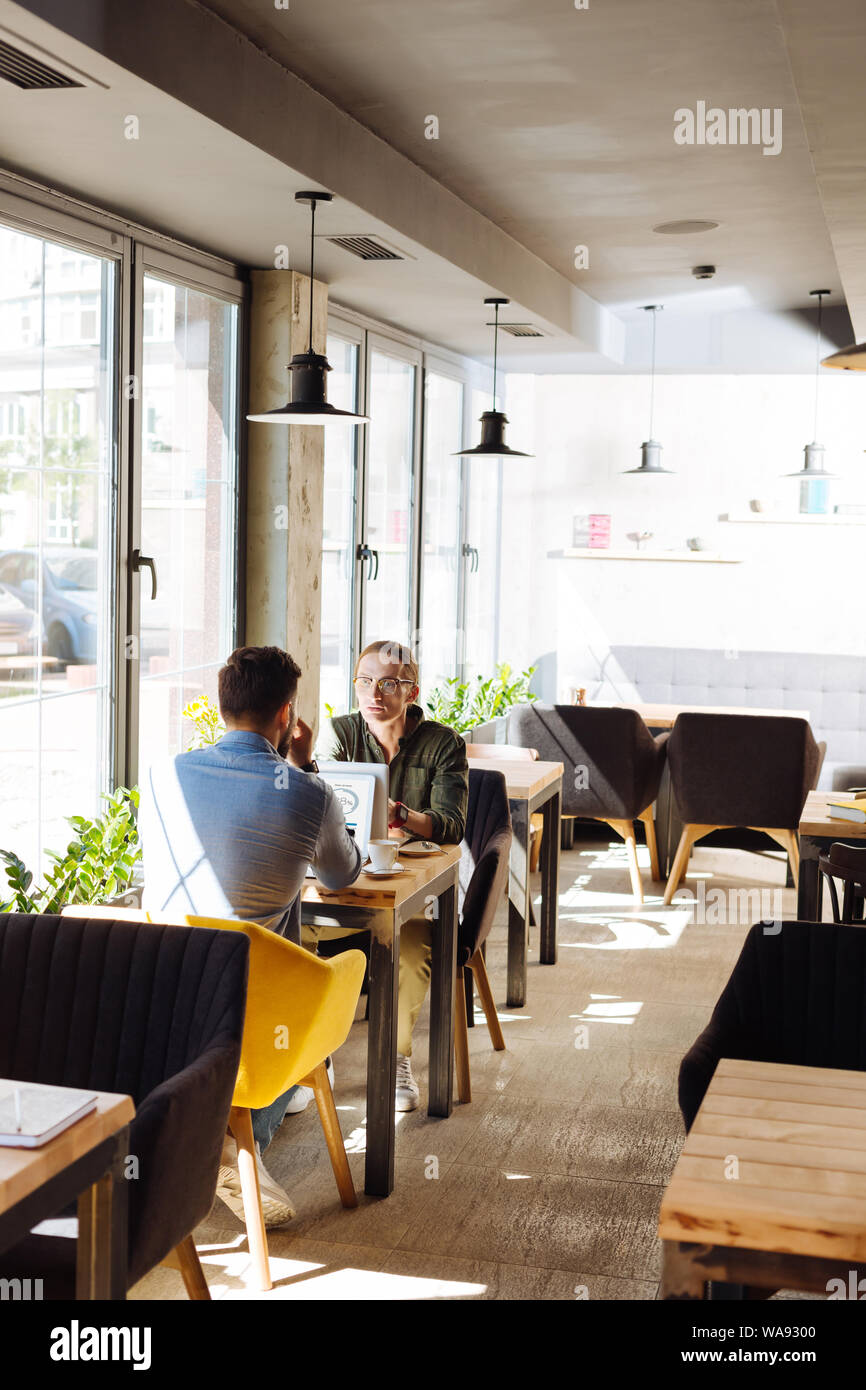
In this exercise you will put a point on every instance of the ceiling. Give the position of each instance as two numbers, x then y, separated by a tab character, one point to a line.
557	124
555	130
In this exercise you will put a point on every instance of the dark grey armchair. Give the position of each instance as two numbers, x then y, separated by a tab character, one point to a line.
613	766
154	1012
748	770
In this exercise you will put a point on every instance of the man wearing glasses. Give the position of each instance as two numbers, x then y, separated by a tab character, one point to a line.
429	789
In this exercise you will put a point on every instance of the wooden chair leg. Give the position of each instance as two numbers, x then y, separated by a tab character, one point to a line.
681	860
185	1258
461	1042
625	828
241	1126
648	820
318	1079
535	848
790	844
486	994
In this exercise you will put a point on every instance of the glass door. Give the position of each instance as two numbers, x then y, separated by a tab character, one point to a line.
481	556
387	547
58	403
342	445
441	527
187	509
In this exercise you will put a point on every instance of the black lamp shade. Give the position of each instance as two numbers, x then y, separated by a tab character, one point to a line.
493	443
309	390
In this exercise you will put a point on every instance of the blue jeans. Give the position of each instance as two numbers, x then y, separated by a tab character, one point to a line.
266	1122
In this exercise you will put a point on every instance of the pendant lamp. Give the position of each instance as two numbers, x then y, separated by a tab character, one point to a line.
309	386
850	359
493	421
650	450
813	470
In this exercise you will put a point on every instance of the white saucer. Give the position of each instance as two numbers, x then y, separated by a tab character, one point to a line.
386	873
418	849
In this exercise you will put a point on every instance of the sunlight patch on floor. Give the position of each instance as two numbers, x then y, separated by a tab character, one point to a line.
609	1008
341	1285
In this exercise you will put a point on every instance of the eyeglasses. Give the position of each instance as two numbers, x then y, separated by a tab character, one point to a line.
388	686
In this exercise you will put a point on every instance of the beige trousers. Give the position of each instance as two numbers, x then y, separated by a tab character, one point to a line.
416	953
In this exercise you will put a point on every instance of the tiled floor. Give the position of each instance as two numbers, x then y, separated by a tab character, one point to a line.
547	1185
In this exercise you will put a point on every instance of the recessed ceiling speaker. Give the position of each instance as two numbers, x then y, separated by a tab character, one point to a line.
703	272
686	228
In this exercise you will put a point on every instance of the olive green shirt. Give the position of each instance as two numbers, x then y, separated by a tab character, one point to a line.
429	772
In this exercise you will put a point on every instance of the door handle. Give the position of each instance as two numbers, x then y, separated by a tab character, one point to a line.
140	562
470	553
364	552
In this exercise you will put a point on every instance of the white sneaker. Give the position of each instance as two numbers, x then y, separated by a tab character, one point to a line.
304	1094
276	1203
406	1095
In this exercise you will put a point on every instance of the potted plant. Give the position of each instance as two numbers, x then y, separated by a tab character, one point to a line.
97	866
480	704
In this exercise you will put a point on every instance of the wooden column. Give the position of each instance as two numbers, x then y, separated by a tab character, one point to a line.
285	482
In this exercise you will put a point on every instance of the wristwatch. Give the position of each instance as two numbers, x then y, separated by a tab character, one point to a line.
401	813
311	766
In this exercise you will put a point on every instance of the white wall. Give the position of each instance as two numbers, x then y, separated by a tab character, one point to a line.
728	438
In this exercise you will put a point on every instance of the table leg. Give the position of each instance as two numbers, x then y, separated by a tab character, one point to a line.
551	813
381	1065
103	1216
681	1278
809	889
444	970
518	905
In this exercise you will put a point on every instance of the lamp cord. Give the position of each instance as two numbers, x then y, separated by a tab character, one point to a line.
312	265
495	349
653	374
817	366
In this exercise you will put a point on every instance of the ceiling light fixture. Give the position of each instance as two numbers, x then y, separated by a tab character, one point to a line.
493	421
650	450
850	359
813	476
689	227
309	385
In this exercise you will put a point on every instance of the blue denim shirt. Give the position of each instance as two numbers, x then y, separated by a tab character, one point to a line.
229	831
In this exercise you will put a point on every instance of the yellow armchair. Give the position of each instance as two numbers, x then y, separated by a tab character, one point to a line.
299	1010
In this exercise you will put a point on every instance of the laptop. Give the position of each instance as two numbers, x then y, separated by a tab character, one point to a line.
362	791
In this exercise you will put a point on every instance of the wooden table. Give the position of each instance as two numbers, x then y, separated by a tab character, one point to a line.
818	831
428	887
85	1162
531	786
658	717
794	1216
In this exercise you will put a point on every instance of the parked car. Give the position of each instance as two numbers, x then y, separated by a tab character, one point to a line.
70	599
18	633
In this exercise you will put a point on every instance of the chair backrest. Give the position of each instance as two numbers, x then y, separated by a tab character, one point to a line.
742	769
502	751
612	763
114	1005
484	862
293	1019
848	864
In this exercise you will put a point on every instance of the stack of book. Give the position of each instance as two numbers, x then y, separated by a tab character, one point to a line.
849	806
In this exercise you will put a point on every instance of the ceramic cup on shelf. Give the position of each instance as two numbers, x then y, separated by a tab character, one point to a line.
383	854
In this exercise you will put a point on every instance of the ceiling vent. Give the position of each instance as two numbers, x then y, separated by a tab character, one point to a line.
520	330
366	248
30	73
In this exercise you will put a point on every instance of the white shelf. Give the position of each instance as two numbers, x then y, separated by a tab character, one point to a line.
700	557
770	519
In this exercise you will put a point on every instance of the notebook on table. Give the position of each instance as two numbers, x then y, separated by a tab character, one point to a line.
39	1113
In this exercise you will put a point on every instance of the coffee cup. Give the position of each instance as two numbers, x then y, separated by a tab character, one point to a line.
383	854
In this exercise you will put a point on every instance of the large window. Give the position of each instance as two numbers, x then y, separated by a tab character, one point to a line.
339	529
57	431
118	446
188	505
387	572
441	527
